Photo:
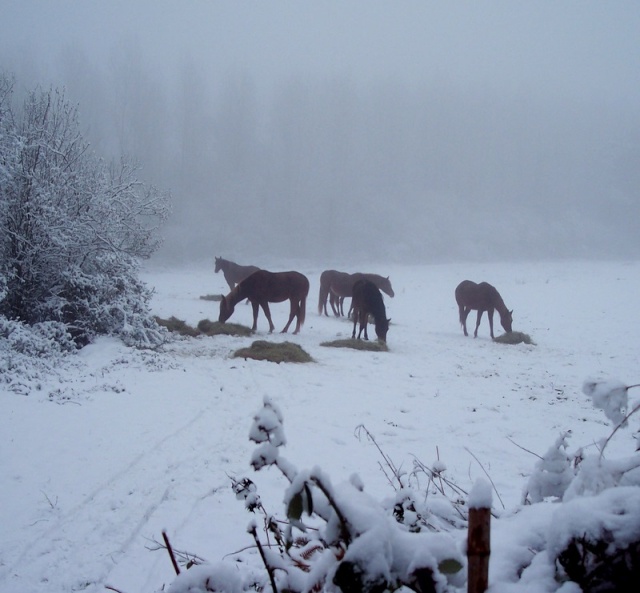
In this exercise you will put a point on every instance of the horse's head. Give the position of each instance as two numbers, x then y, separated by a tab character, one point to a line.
506	320
386	287
218	264
226	309
382	327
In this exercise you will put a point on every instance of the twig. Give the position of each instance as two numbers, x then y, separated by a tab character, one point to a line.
488	476
185	557
439	473
112	589
521	447
51	504
264	559
170	550
394	470
622	423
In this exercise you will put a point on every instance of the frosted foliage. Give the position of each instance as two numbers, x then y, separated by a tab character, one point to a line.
267	425
610	396
73	227
612	516
31	354
551	475
265	454
208	578
597	474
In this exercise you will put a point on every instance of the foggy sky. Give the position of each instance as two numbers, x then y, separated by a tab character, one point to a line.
359	129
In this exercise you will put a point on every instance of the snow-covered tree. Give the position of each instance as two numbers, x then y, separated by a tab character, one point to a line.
73	227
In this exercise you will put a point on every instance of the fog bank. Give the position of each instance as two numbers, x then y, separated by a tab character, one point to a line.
356	130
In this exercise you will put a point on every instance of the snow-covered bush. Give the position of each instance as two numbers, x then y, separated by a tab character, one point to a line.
579	528
336	537
72	227
552	474
594	536
29	353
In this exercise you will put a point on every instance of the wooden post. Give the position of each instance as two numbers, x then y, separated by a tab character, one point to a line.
478	549
479	537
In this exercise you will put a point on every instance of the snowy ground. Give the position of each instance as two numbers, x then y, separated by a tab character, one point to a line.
95	466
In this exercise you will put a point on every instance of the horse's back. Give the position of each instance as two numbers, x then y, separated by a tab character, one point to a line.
366	294
276	286
475	295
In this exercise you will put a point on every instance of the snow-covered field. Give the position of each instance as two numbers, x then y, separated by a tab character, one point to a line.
131	443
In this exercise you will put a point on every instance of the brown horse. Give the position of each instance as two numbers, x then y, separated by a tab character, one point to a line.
481	297
233	273
332	284
338	285
367	300
262	288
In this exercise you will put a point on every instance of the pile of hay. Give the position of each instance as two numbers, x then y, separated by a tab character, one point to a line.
175	325
373	346
205	327
274	352
514	338
215	328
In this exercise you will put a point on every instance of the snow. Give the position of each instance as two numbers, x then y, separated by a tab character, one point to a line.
102	455
480	496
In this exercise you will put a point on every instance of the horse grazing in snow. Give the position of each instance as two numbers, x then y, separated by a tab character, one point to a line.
263	287
367	300
481	297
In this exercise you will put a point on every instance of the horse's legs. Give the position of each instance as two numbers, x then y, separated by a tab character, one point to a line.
490	316
480	312
355	323
267	313
293	311
255	305
464	313
363	324
335	303
322	300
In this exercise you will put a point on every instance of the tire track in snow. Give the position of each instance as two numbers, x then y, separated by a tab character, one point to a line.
78	551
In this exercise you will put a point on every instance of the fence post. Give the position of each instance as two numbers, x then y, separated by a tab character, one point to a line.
479	537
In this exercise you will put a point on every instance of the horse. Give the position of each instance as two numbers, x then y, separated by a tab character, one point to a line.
338	285
263	287
233	273
481	297
333	283
382	282
367	300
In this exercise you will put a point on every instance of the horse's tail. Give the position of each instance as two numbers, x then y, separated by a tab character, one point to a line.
461	314
302	312
322	296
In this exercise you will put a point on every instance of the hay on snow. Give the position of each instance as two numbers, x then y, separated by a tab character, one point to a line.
274	352
373	346
205	327
514	338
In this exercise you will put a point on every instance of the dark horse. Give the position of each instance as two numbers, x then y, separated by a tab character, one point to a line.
481	297
262	288
338	285
367	300
233	273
